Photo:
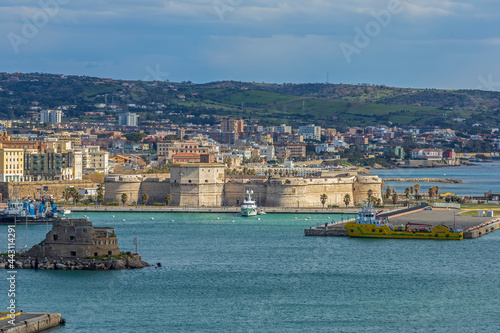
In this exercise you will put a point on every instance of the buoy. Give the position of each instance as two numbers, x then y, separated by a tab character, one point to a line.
305	219
258	219
113	216
218	218
233	221
123	220
295	217
309	217
329	217
152	218
171	220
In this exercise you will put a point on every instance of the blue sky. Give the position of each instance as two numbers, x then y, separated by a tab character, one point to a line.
424	44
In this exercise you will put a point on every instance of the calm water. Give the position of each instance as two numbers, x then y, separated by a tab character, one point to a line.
265	276
478	178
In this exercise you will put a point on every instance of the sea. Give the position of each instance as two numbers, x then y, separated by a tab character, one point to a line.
478	178
226	273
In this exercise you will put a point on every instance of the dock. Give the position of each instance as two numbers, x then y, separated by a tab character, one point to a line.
473	226
29	322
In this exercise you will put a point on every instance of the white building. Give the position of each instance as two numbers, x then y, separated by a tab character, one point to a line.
128	119
267	151
282	129
429	154
325	148
310	132
51	116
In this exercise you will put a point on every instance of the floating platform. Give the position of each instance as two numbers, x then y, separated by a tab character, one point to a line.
29	322
473	226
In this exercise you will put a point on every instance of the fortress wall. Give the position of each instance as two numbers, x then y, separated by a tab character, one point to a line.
287	193
197	184
364	184
30	189
235	192
114	187
156	189
335	193
203	185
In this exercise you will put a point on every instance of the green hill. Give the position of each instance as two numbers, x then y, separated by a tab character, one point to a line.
332	105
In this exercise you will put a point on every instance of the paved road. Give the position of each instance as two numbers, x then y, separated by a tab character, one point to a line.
438	216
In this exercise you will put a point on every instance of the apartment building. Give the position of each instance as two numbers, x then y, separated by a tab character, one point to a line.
11	164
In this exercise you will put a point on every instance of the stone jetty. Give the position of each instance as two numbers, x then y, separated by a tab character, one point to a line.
124	261
425	180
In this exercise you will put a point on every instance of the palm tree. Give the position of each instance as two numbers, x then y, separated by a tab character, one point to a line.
431	192
407	192
347	199
144	198
67	193
417	188
394	198
77	198
323	199
370	195
168	198
124	198
100	194
387	192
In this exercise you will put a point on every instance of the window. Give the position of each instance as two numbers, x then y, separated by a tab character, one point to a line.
56	237
110	253
72	238
73	253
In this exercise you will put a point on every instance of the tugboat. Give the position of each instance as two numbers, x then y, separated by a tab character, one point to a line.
369	224
249	208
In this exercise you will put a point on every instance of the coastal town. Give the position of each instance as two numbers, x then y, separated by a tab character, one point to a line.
128	160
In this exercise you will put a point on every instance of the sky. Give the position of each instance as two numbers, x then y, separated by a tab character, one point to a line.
442	44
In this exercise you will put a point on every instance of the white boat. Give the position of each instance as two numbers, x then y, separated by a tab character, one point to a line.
249	208
261	212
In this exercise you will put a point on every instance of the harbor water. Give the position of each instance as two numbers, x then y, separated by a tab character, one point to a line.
264	275
479	178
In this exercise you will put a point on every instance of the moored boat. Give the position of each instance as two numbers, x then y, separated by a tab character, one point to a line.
28	211
249	208
370	225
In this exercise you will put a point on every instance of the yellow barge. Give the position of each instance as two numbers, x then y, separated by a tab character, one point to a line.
368	224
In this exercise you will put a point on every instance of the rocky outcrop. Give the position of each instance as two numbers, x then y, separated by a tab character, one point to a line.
125	262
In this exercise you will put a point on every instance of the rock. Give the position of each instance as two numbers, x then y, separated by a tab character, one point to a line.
3	265
117	264
18	264
50	267
136	263
79	267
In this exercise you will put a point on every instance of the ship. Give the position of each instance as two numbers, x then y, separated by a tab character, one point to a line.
369	224
29	211
249	208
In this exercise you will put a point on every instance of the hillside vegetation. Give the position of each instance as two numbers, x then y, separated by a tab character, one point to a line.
332	105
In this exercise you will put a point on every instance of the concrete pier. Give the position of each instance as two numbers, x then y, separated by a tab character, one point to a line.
29	322
473	226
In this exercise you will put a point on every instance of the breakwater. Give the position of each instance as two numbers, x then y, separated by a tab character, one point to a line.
127	262
425	180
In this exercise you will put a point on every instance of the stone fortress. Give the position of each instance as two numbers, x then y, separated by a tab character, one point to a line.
77	238
197	185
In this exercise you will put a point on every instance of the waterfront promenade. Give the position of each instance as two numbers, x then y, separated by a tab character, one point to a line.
229	210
